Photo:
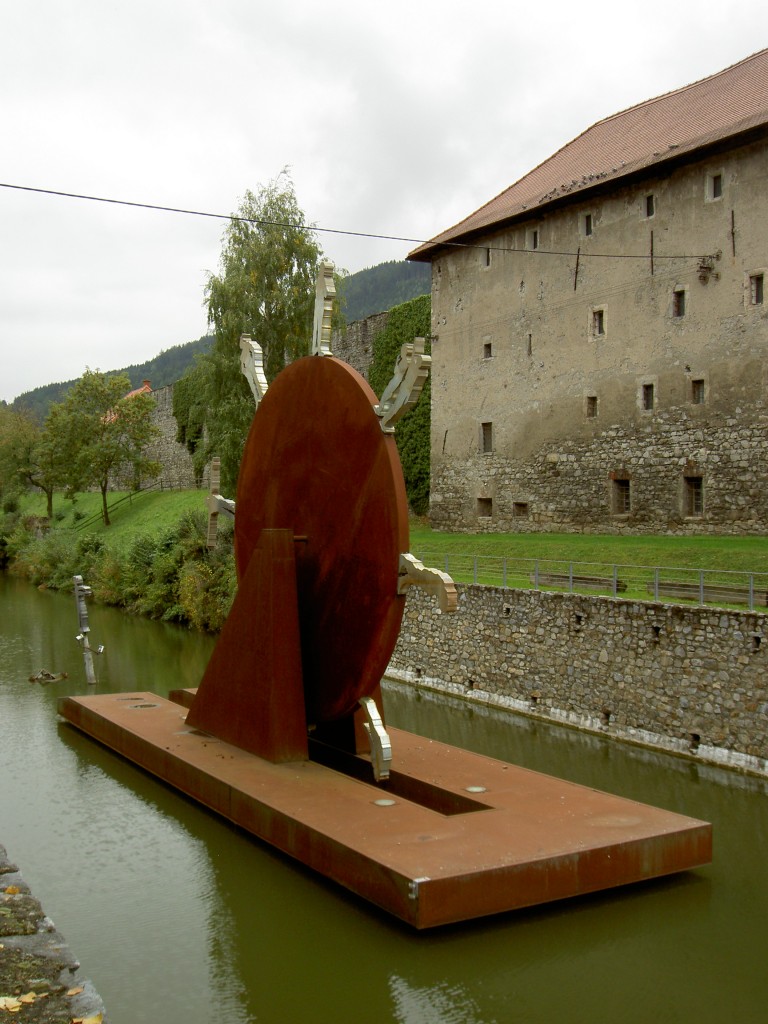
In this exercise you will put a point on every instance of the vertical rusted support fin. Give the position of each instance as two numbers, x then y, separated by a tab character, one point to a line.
651	254
252	692
576	271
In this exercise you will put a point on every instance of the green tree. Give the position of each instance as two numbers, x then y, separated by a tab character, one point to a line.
265	288
99	431
29	456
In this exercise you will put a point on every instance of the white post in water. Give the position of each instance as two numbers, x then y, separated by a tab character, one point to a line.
81	592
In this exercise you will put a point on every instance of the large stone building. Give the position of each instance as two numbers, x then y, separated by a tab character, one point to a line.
600	349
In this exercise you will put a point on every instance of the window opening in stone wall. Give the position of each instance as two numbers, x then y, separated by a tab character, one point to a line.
598	322
530	344
587	223
487	437
487	350
678	302
756	289
716	186
591	406
648	397
519	509
485	507
534	239
622	502
693	495
697	392
487	257
650	205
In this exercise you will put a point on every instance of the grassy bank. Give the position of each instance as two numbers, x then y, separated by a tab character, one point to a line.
153	559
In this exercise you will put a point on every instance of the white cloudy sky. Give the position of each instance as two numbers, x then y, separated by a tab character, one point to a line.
395	118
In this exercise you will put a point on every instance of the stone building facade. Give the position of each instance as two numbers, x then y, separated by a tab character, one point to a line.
600	335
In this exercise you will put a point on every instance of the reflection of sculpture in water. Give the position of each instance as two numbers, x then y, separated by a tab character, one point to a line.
434	1004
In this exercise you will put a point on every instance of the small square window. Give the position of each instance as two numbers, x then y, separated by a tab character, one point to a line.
678	302
693	496
588	224
697	392
485	507
756	289
650	205
648	397
487	350
487	437
598	321
591	406
622	498
519	509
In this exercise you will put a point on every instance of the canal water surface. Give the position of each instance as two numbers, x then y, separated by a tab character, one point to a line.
179	917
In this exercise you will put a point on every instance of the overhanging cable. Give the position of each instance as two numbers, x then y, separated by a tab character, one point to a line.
335	231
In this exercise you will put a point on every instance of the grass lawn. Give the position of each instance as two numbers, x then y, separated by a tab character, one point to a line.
149	512
154	512
748	554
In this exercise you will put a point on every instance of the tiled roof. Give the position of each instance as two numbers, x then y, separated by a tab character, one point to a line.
145	389
708	111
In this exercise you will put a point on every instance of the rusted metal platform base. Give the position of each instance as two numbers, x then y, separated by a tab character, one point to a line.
452	835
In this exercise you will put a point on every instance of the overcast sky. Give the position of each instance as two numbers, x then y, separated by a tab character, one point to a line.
395	118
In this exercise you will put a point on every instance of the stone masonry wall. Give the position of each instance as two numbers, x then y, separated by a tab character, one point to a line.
688	679
177	472
355	345
567	485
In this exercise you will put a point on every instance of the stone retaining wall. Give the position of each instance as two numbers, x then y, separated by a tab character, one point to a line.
688	679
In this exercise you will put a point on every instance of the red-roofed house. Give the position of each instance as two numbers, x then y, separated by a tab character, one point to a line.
600	329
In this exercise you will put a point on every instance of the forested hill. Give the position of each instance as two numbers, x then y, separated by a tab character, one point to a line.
162	370
380	288
368	291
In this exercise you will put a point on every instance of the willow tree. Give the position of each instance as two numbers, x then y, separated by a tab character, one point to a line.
266	288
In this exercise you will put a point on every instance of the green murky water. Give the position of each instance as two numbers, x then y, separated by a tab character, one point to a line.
180	918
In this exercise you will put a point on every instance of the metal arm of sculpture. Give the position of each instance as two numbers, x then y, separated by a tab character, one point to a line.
325	293
252	365
215	503
402	392
413	573
381	747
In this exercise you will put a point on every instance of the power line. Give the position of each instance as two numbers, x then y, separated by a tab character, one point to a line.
337	231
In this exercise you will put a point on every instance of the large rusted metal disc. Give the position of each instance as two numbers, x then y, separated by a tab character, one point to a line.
317	462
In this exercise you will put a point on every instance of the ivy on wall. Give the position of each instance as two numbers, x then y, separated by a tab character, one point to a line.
406	322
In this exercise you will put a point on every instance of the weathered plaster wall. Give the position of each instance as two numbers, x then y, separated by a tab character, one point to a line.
660	674
516	347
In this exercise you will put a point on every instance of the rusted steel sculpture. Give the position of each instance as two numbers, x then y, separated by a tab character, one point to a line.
285	734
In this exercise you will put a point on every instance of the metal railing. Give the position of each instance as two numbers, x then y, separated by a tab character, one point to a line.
639	582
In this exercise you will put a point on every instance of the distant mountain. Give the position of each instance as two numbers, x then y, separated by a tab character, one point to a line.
373	290
160	371
379	288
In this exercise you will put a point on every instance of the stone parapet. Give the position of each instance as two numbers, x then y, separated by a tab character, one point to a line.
691	680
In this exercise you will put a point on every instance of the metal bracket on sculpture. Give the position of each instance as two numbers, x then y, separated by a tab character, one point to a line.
413	573
381	747
325	293
402	392
216	504
252	365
